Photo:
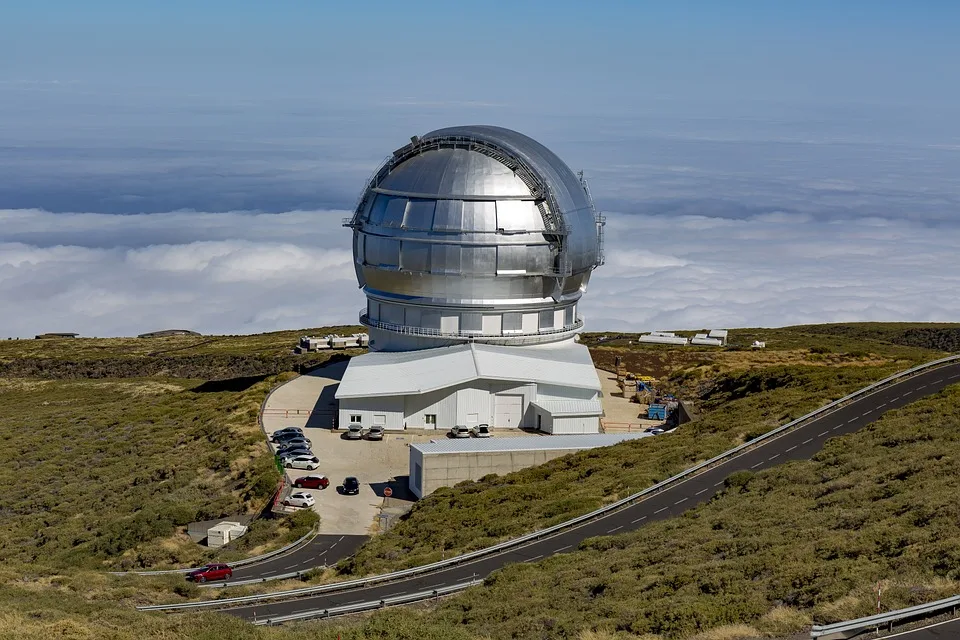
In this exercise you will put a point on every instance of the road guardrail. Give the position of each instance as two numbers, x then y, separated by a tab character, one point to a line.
593	515
239	563
883	620
332	612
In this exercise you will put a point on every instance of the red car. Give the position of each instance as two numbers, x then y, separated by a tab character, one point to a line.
211	572
316	481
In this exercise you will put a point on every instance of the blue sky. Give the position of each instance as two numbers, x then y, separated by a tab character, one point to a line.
148	149
596	55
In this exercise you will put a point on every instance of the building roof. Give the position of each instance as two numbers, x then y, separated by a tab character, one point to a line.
718	333
414	372
563	408
524	443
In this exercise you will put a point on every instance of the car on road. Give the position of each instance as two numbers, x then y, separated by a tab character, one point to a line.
300	462
313	481
354	431
459	431
481	431
375	432
279	433
299	499
656	431
214	571
351	485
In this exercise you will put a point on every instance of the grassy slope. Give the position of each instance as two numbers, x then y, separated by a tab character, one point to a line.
805	540
474	515
102	471
74	349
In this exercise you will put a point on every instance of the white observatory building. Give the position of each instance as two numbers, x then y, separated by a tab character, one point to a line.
473	246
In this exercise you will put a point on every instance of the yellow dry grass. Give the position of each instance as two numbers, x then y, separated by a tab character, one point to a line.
729	632
783	620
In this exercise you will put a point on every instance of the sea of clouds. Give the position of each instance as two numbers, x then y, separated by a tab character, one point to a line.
117	218
107	275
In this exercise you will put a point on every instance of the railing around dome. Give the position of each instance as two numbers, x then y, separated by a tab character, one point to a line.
426	332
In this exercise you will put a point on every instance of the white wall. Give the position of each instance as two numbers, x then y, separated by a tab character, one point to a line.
389	407
575	424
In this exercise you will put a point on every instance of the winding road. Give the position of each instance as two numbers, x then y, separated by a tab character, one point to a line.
801	443
321	550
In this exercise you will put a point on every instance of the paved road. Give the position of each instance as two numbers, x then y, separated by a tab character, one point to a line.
799	444
322	550
949	630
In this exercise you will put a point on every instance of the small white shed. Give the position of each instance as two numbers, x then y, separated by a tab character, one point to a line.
223	533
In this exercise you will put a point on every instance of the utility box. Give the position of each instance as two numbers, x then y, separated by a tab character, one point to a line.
657	412
224	533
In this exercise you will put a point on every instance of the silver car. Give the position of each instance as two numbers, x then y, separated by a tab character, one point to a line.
459	431
375	432
354	431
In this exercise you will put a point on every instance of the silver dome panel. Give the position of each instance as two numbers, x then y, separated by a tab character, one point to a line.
468	223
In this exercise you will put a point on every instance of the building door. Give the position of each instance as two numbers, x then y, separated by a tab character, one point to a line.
509	411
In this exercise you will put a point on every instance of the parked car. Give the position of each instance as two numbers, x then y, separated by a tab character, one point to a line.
299	499
313	481
351	485
354	431
657	431
280	432
216	571
300	462
292	436
481	431
459	431
375	433
294	442
294	452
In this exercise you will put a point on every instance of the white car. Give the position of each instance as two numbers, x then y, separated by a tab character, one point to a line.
459	431
299	499
354	431
481	431
309	463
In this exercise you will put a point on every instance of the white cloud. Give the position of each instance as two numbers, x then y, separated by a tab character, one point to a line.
247	272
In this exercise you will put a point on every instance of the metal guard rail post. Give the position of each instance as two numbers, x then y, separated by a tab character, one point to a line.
883	619
239	563
602	511
358	607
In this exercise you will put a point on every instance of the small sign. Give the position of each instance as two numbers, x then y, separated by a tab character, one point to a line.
387	492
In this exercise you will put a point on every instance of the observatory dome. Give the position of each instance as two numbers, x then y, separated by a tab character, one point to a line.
474	233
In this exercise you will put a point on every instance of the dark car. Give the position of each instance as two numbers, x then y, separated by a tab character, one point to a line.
298	449
351	485
286	432
211	572
313	481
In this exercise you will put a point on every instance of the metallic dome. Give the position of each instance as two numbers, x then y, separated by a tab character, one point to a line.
474	233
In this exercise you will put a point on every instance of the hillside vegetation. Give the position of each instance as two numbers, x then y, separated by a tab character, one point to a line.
805	541
104	471
473	515
206	357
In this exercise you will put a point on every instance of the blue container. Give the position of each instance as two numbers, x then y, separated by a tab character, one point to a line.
657	412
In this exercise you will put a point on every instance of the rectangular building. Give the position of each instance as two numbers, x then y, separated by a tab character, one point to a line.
552	387
444	463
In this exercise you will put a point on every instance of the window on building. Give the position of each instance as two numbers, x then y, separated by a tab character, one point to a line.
355	418
546	319
512	322
472	322
430	418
